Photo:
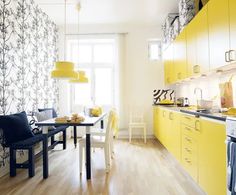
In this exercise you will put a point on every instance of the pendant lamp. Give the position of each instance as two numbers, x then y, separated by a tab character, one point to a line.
64	69
81	76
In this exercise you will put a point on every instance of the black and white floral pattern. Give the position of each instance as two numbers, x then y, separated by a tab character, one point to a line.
28	50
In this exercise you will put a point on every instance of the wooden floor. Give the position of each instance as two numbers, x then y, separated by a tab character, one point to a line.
137	169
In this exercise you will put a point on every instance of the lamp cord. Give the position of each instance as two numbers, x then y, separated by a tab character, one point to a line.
78	9
65	31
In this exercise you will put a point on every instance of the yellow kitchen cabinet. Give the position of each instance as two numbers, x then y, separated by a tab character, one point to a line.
212	157
190	155
156	117
163	138
180	62
232	17
168	65
174	135
190	128
191	48
202	42
218	26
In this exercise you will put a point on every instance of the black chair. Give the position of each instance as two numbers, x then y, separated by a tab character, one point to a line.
17	135
57	129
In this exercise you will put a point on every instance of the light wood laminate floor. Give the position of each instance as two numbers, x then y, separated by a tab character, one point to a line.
137	169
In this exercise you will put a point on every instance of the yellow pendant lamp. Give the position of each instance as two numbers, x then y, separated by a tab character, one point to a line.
80	79
81	76
64	69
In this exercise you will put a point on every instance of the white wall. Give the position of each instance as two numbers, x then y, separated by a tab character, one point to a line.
139	77
209	85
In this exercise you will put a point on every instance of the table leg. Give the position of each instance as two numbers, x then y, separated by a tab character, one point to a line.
45	156
102	124
75	136
88	154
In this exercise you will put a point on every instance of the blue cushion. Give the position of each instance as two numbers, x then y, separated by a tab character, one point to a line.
56	130
25	144
15	127
54	114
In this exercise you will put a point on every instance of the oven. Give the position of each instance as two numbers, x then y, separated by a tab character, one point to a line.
231	155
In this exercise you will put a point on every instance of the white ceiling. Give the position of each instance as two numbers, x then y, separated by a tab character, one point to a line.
150	12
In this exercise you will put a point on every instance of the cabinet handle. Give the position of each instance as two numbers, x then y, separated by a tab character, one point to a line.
189	140
163	113
196	69
187	128
187	160
187	150
188	118
227	56
234	58
171	116
196	126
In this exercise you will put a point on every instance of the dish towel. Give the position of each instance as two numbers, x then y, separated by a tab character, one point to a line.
229	165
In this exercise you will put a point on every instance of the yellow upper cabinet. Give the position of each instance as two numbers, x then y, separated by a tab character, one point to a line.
232	17
202	42
180	62
191	47
218	25
168	64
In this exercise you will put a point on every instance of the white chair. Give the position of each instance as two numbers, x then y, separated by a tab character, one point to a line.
102	132
136	121
99	142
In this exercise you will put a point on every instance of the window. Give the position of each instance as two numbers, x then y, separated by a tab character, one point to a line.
96	58
154	50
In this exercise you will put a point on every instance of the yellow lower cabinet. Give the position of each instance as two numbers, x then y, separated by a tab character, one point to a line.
212	158
156	121
162	126
190	155
174	135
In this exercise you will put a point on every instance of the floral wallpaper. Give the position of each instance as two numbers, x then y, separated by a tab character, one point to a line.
28	51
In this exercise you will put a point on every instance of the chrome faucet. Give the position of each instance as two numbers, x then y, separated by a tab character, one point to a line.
198	89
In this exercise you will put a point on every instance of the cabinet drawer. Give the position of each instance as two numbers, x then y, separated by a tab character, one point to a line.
190	164
187	130
187	141
188	120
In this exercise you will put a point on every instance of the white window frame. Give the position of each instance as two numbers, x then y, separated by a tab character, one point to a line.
92	66
157	42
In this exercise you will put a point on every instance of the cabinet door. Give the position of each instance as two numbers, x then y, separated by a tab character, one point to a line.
191	47
212	158
168	65
162	118
218	21
175	135
202	42
232	16
156	121
180	62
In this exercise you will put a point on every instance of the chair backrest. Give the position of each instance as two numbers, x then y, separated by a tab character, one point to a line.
136	116
54	114
109	126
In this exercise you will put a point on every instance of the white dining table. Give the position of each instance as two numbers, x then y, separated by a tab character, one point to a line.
88	123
